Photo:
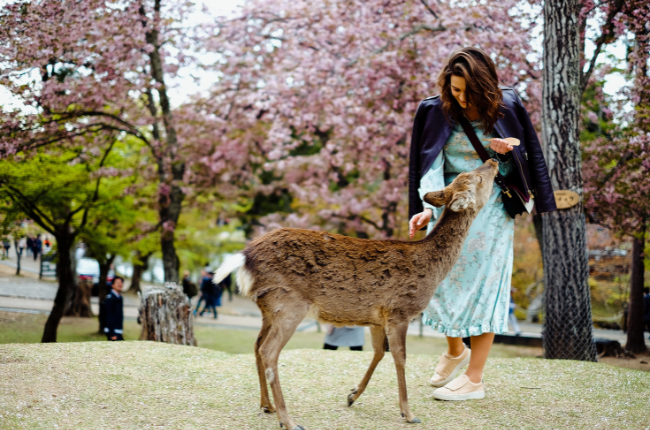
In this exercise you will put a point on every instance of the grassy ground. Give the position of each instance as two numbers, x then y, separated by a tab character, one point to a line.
135	385
28	328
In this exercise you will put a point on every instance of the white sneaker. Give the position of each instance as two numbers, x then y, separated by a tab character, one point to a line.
448	367
460	388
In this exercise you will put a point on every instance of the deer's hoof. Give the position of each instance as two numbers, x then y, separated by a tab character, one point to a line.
298	428
350	399
268	409
415	421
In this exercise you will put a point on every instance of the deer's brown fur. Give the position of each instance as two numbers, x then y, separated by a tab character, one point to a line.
382	284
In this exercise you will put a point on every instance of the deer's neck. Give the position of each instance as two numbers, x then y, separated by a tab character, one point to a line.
443	245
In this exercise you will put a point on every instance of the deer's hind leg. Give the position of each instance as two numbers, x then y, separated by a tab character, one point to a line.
285	318
265	402
397	342
379	345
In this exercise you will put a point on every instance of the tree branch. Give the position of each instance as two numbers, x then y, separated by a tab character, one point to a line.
605	37
31	209
429	8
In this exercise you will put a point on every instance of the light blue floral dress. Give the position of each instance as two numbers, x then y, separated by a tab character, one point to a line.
473	298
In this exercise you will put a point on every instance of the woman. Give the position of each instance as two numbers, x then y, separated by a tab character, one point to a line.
473	299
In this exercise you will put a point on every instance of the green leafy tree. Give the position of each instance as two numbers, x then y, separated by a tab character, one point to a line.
57	190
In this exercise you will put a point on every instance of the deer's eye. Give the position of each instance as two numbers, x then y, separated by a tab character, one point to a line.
480	179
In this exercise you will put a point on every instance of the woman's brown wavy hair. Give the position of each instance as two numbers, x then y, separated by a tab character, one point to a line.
481	85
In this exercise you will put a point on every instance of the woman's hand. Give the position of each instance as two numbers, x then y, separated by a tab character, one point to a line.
500	146
419	220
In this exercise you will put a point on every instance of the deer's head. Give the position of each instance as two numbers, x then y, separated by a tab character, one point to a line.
469	191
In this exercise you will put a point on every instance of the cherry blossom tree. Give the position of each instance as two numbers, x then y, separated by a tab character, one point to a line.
323	95
104	67
617	167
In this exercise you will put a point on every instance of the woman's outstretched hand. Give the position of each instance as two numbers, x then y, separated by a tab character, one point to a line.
419	220
500	146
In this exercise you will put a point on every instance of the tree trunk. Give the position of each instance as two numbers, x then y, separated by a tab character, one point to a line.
67	276
166	316
170	204
635	342
80	306
171	263
17	257
538	224
102	288
567	324
140	265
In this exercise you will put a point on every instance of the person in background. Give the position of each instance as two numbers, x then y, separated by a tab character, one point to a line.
6	245
646	309
37	246
213	293
205	294
226	285
22	244
114	308
512	319
30	245
189	287
80	252
344	336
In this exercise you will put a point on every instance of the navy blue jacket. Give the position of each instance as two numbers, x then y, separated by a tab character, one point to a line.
113	306
430	133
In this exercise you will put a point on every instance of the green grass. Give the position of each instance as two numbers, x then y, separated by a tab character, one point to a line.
136	385
28	328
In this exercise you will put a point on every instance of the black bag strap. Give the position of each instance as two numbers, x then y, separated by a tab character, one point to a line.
473	138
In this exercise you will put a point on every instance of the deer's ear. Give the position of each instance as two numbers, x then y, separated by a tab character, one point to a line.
437	198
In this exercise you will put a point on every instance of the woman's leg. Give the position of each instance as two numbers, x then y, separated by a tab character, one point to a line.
455	346
480	350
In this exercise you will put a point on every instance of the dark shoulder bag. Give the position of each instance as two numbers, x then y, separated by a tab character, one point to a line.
515	201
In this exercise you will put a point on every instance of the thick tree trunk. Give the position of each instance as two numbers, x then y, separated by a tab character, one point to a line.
67	276
80	306
567	325
170	214
170	204
166	316
102	289
538	224
635	342
140	265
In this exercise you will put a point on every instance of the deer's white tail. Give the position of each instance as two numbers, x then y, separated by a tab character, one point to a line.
232	263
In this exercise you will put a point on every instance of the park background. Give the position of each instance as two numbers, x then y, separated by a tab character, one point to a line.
166	136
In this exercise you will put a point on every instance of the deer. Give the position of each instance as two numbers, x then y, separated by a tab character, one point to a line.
346	281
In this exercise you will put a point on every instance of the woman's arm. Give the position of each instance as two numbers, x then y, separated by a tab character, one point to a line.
415	203
433	180
544	197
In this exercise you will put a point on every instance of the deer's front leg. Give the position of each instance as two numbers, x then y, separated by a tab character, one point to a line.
379	345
